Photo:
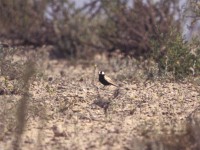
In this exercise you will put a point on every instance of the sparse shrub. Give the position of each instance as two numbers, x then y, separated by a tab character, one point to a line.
192	12
176	55
73	34
57	23
24	20
131	29
150	31
11	70
16	103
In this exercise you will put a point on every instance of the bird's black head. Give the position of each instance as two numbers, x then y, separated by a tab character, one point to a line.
101	73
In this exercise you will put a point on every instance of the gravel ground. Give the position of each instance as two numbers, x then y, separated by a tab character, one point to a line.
69	109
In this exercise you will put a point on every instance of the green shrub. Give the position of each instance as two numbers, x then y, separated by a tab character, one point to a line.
174	54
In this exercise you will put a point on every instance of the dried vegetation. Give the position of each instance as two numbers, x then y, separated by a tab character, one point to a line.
52	103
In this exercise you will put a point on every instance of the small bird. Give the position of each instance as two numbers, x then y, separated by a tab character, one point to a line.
105	80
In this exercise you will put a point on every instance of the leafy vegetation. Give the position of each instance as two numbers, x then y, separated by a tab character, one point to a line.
176	56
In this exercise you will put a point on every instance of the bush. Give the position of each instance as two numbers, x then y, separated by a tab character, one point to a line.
150	31
131	29
23	20
57	23
176	55
74	31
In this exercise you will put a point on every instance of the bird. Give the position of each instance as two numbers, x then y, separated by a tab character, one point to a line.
105	80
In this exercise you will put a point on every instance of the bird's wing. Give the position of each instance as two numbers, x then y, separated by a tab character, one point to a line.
110	80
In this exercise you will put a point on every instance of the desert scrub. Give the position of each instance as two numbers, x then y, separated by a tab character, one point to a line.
174	54
16	76
11	68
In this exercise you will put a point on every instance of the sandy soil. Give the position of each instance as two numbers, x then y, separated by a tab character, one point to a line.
70	109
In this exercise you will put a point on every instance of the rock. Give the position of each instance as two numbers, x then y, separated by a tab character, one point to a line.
58	130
